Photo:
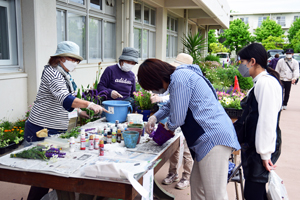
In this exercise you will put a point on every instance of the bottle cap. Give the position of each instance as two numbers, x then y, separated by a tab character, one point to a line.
119	130
72	139
82	135
101	142
82	131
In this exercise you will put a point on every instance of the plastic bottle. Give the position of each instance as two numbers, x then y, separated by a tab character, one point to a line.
101	145
82	141
109	137
105	137
116	123
72	144
96	142
119	136
114	136
91	142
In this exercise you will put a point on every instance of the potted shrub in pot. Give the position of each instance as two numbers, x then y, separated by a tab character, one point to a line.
143	103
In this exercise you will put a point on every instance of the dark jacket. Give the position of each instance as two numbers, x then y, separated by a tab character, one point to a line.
246	130
273	63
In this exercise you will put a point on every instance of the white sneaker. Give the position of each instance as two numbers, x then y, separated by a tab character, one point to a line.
283	107
170	179
182	184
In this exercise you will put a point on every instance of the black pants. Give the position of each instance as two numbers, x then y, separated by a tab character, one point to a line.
255	191
287	88
36	193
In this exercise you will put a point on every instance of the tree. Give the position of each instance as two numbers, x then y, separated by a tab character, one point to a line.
268	28
211	38
218	47
273	42
295	43
295	27
194	45
237	36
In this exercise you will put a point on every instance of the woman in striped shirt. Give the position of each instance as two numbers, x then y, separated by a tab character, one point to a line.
194	107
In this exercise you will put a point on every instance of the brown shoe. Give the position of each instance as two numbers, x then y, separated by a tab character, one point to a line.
182	184
170	179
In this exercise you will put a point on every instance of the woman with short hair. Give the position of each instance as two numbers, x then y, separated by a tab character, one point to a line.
194	107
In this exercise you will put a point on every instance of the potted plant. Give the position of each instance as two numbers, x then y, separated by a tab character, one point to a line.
231	102
11	135
143	103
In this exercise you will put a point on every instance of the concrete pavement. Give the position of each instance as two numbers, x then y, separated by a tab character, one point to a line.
287	165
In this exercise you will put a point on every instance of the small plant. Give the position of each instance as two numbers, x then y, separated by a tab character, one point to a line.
3	142
193	45
230	99
74	132
212	58
142	99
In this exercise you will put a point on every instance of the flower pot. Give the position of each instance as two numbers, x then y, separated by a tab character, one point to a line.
130	138
233	113
9	148
145	113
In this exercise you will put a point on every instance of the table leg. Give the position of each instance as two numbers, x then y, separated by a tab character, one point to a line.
161	193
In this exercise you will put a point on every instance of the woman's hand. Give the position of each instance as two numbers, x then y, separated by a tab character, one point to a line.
83	114
96	108
155	98
269	165
115	94
150	125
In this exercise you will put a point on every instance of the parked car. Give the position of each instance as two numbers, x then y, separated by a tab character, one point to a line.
224	57
272	52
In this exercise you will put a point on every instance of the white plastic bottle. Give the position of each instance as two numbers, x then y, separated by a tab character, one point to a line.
96	142
72	144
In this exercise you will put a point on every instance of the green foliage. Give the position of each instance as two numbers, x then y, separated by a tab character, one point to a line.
237	36
273	42
295	27
245	83
218	47
296	42
33	153
3	142
268	28
211	39
212	58
142	99
74	132
194	45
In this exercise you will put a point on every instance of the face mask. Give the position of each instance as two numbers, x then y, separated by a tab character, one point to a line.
289	56
70	65
244	70
127	67
160	91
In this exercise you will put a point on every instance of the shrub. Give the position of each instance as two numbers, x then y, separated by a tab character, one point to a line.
245	83
212	58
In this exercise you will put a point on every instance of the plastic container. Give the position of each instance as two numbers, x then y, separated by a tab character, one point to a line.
134	117
118	110
161	135
72	144
130	138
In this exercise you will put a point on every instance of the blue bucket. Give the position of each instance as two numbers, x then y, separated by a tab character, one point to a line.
130	138
165	119
118	110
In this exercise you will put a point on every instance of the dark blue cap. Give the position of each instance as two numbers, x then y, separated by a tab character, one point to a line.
289	51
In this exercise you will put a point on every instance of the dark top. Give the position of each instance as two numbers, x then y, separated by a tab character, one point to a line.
273	63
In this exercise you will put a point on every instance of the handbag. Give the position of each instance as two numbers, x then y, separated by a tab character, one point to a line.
277	189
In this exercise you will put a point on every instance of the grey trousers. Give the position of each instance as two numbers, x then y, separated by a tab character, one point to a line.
209	176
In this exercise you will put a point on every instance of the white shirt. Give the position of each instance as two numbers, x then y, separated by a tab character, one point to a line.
268	94
285	72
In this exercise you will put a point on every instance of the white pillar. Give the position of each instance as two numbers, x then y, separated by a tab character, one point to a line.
131	19
161	33
120	33
39	39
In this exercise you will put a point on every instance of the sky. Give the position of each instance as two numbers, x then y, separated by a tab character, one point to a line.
252	6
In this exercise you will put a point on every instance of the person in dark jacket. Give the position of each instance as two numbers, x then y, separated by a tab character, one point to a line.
258	128
274	61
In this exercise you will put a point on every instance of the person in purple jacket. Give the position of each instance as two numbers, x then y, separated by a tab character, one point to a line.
274	61
118	79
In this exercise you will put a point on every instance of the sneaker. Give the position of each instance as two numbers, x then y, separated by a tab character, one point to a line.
182	184
170	179
283	107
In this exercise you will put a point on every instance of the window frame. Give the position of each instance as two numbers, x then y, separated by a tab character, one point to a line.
263	18
88	13
172	34
13	68
145	26
279	21
243	19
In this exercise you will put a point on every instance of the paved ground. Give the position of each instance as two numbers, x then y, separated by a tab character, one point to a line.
287	165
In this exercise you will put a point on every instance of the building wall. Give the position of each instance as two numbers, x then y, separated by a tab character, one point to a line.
39	39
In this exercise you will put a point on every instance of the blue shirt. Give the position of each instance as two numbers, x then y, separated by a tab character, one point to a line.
190	90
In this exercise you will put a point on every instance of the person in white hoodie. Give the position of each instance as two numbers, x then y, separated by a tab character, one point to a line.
258	128
288	68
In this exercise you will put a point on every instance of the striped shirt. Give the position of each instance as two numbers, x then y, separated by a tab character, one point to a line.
189	89
53	101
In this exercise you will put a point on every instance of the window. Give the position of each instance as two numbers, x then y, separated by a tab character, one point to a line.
172	38
260	20
280	20
144	30
296	17
244	19
78	1
10	45
95	36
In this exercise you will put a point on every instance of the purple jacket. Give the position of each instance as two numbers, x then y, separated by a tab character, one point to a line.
113	78
273	63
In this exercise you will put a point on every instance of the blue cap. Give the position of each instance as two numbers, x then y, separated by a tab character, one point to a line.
289	51
68	49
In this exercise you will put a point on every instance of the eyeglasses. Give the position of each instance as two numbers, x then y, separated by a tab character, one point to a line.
74	60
